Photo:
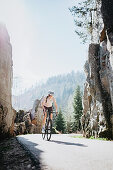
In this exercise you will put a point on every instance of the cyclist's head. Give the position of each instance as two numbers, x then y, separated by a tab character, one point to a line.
51	93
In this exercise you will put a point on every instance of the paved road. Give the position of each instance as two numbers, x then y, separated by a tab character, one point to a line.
66	153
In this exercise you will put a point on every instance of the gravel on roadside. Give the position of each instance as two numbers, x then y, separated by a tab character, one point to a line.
14	157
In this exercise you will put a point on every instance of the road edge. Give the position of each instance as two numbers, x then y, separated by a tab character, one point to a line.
35	161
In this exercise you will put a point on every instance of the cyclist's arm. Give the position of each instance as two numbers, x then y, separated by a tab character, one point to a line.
42	104
55	105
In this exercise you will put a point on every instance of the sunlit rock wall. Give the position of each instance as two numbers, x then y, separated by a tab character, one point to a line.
37	115
29	122
97	119
6	112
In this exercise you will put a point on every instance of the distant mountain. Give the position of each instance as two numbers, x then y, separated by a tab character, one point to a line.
62	85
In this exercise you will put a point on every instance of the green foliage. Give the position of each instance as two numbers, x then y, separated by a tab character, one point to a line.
83	19
69	126
92	137
78	136
77	106
60	122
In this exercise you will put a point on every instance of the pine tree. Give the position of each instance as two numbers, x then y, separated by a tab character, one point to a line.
60	122
77	105
83	18
69	127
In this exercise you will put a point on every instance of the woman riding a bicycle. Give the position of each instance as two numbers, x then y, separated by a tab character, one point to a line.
47	104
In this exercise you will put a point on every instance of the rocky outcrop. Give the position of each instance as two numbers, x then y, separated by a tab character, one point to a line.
29	122
37	115
6	111
23	124
97	119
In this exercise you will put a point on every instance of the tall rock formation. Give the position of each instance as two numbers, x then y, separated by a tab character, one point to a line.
6	112
31	121
97	119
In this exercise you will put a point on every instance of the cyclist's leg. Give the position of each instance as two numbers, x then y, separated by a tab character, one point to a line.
45	115
51	113
44	120
51	116
49	124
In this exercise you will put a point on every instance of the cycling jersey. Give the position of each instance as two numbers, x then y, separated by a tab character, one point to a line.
48	101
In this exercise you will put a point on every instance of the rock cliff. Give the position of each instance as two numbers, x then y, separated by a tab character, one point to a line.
6	111
29	122
97	119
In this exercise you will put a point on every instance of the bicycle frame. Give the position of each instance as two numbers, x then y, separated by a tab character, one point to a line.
48	127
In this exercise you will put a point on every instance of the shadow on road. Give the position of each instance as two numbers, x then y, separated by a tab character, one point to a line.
29	147
68	143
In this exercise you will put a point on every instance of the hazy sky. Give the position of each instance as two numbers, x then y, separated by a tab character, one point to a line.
42	37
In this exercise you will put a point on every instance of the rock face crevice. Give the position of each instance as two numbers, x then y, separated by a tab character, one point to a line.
97	119
6	111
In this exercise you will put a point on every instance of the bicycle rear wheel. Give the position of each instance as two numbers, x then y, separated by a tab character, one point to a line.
49	129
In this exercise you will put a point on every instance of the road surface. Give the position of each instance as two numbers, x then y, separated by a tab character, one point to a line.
64	152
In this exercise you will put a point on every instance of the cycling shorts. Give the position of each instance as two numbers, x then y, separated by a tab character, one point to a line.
49	109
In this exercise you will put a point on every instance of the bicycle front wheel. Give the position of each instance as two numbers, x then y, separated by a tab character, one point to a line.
43	135
49	129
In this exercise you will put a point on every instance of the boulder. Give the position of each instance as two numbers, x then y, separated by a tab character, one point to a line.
31	121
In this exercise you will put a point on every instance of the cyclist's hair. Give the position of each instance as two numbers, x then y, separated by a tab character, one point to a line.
49	93
47	98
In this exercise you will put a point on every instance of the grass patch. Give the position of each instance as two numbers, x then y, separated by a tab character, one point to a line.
92	137
77	136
